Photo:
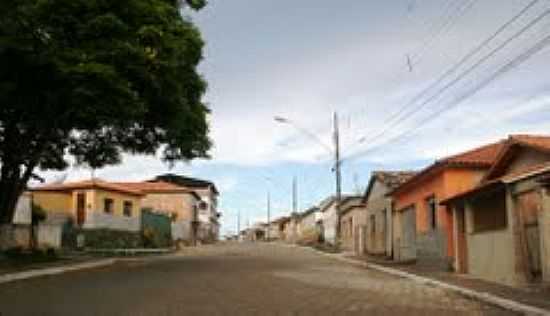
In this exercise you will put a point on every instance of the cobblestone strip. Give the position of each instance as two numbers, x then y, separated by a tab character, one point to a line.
480	296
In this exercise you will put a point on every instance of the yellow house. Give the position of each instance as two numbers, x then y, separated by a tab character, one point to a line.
180	203
92	204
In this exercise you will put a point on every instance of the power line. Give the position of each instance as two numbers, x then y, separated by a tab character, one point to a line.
515	62
403	114
440	31
450	16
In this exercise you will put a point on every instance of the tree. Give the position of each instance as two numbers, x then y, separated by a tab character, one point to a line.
89	80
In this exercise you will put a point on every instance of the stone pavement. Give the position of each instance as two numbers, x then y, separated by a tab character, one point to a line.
233	279
535	295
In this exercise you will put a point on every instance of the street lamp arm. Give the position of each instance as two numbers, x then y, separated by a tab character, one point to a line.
304	131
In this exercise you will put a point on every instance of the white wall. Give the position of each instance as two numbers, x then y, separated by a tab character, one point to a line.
330	221
23	210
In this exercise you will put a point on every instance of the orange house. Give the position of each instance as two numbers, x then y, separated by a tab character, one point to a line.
423	229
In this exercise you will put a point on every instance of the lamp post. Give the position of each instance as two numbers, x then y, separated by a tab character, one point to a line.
335	151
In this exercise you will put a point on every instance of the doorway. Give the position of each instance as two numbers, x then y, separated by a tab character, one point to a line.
80	209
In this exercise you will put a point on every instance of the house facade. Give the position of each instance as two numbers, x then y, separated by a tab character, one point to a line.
352	218
92	204
376	232
502	226
308	226
329	220
423	229
208	214
179	203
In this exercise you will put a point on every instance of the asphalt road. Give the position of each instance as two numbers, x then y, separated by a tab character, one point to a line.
232	279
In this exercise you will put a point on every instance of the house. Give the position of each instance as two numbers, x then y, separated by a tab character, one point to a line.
179	203
276	229
423	227
290	228
208	215
502	226
376	230
91	204
331	218
308	226
352	217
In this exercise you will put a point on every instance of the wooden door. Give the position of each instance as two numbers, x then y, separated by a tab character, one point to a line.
80	208
529	206
462	246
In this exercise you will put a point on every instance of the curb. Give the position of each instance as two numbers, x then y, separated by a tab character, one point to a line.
6	278
480	296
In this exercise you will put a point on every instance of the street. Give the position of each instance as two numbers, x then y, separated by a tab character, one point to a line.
232	279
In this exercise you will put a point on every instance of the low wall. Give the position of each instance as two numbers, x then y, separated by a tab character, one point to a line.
491	256
48	236
15	236
181	231
100	220
431	246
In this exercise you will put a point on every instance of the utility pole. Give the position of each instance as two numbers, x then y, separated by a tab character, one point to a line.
294	195
338	174
239	223
268	214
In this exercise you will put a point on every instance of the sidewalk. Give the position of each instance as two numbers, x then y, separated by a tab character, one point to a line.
74	261
537	295
528	301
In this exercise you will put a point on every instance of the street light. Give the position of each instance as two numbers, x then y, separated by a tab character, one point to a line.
333	151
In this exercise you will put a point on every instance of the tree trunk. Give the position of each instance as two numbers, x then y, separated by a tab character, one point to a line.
10	190
12	184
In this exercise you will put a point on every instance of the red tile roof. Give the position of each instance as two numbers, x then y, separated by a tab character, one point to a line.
154	187
481	157
87	184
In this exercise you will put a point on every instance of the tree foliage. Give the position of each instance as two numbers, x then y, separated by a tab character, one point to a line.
93	79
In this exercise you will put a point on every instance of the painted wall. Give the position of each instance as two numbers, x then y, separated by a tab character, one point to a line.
525	158
54	202
180	204
441	185
23	210
378	231
330	220
97	218
350	224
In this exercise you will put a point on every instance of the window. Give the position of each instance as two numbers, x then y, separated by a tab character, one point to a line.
432	212
373	223
108	206
128	208
489	212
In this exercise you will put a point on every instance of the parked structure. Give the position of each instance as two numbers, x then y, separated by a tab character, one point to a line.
208	215
376	233
352	218
424	228
502	226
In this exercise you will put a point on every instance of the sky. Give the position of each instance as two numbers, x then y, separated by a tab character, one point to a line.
412	81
